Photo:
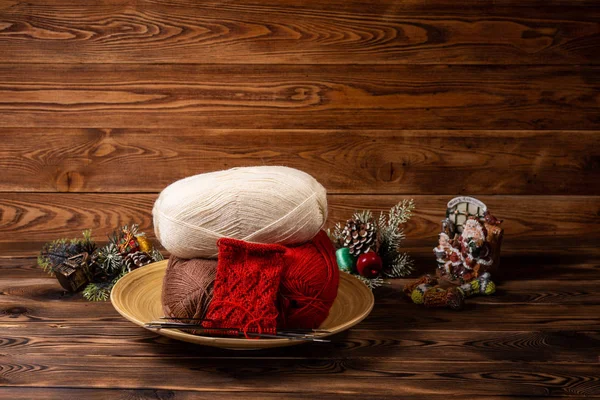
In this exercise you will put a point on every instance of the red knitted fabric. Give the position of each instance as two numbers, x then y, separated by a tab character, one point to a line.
246	286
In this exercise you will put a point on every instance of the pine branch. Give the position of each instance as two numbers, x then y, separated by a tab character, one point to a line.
87	244
121	274
133	229
363	216
335	235
402	265
97	291
156	255
44	264
371	283
100	291
391	234
401	212
391	238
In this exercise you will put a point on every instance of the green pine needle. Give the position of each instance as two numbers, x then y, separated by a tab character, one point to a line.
156	255
87	235
96	292
391	237
101	291
401	266
121	274
335	235
44	264
371	283
401	212
363	216
134	229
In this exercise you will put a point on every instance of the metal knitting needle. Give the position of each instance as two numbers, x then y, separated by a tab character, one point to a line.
293	332
304	337
267	335
181	325
186	319
231	331
297	330
202	329
199	326
278	334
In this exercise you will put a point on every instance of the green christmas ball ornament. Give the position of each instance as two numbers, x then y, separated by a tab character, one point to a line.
345	260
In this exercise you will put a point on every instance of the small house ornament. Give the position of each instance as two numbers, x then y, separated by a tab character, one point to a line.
74	272
469	243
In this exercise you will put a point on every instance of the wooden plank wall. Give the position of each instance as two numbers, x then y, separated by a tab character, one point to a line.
102	104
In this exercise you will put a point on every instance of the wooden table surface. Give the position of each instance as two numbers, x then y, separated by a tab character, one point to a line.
104	103
538	336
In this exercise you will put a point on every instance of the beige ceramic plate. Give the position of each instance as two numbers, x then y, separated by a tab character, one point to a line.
136	297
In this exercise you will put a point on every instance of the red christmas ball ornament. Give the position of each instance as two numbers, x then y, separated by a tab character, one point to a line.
369	264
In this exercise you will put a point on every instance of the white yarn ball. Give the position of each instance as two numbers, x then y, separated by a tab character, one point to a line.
257	204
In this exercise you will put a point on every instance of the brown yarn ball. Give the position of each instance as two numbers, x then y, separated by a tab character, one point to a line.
188	287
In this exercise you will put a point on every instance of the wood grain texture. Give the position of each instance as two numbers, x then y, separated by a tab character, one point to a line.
296	96
572	267
280	375
356	161
512	289
28	393
533	223
410	345
19	310
299	32
42	300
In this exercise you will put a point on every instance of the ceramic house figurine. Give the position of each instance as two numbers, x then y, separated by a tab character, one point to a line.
469	243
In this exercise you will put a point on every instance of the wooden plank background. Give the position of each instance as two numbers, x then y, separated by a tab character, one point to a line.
103	104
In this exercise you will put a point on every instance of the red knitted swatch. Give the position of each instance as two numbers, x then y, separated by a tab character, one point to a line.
246	286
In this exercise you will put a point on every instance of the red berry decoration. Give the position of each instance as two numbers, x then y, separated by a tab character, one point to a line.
369	264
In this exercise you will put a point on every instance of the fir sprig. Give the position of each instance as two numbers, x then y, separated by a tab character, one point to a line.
391	236
371	283
100	291
363	216
56	252
156	255
97	291
401	266
336	234
390	225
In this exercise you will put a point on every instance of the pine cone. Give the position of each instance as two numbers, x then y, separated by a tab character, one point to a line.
137	260
359	237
